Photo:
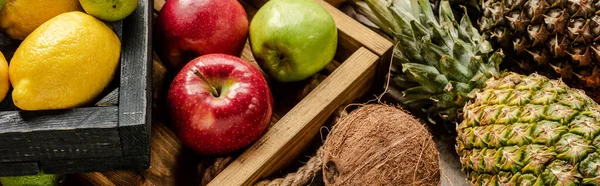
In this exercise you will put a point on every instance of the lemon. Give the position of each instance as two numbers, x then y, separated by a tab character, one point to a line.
4	82
33	180
109	10
2	3
18	18
64	63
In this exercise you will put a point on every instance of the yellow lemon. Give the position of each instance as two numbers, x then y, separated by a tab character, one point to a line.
18	18
4	82
64	63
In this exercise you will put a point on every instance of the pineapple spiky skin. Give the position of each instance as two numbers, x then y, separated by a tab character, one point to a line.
514	129
529	130
556	38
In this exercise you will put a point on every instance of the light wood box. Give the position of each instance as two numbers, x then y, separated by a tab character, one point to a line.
359	51
294	125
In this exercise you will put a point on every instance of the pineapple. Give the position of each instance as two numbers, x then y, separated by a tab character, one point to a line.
557	38
514	129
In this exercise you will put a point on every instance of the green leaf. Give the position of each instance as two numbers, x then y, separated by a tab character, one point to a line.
496	59
447	20
419	31
474	64
426	13
425	75
416	98
461	86
446	100
477	81
432	53
453	69
420	90
381	11
409	47
469	32
462	52
399	57
403	82
403	15
449	114
440	37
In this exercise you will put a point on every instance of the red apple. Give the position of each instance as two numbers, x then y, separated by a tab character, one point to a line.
220	104
186	29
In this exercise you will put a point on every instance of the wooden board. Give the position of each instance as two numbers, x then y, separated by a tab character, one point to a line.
26	168
80	165
135	98
79	133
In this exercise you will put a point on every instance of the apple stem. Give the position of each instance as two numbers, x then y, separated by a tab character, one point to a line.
213	90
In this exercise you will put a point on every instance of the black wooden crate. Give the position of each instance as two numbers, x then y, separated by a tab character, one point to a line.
112	134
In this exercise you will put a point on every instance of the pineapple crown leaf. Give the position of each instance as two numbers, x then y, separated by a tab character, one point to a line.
454	70
440	61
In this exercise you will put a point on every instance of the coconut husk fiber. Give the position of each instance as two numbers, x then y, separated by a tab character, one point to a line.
380	145
373	145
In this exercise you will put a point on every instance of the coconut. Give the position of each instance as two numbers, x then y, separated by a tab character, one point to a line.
380	145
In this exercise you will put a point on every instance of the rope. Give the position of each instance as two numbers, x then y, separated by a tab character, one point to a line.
217	167
303	176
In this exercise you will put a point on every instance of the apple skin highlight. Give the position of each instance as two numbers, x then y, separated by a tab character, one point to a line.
186	29
225	122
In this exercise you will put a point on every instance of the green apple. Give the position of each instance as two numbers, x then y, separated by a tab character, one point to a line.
109	10
293	39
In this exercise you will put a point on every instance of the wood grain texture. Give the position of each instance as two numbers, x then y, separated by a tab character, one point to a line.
299	125
17	169
352	31
158	4
135	92
110	99
96	178
71	166
335	3
166	162
78	133
32	121
171	163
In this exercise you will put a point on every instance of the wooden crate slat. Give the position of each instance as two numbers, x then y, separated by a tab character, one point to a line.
56	144
18	169
302	122
82	132
30	121
94	164
134	91
351	30
111	99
